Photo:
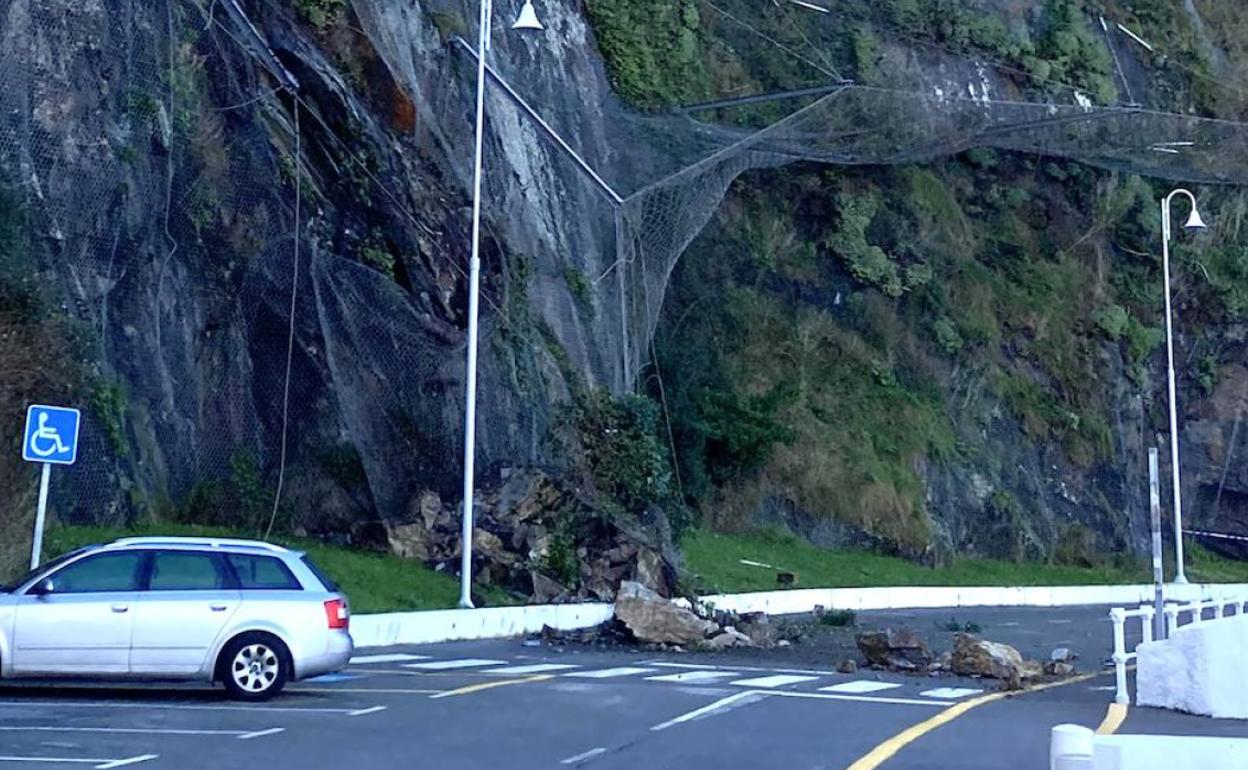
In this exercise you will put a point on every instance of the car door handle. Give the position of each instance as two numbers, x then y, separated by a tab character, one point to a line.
218	607
121	608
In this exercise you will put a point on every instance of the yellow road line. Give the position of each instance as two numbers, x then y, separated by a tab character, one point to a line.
877	756
491	685
1114	717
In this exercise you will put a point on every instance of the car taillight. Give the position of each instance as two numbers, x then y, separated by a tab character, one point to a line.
337	614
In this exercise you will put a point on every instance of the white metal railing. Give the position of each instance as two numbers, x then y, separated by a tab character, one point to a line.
1174	614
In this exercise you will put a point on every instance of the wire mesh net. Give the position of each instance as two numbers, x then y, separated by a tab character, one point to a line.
152	194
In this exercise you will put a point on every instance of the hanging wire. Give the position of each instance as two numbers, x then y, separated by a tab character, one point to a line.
290	339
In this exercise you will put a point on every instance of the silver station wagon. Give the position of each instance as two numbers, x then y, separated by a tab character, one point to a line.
248	614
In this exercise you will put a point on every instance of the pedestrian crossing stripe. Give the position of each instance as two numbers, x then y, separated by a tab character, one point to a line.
610	673
694	676
445	665
779	680
860	686
949	693
395	657
532	668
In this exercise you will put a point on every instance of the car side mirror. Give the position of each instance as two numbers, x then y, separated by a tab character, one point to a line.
42	588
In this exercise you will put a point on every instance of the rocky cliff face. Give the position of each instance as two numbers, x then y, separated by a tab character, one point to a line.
249	219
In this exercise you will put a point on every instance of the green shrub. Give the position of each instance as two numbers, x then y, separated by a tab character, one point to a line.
622	448
108	402
652	48
1112	320
947	336
579	285
839	618
321	12
864	261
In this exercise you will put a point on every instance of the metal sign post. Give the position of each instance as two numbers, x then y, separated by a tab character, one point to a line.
1154	508
50	438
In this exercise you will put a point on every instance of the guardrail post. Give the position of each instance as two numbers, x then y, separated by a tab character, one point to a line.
1147	620
1172	619
1118	617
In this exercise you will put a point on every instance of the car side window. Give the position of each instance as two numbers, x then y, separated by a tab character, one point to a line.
187	571
99	574
262	573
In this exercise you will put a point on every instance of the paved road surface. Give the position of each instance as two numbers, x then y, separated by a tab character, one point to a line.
508	705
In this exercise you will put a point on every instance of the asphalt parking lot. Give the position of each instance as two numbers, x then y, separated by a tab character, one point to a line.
507	703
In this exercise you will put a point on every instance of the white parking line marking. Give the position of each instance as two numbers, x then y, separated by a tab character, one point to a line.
583	756
949	692
365	712
607	673
444	665
124	762
860	686
779	680
100	764
533	668
58	760
723	704
393	657
693	676
261	733
117	730
155	706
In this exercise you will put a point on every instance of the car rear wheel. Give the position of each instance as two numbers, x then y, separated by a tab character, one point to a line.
254	667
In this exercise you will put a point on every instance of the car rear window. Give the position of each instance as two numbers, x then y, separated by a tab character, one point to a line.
330	585
262	573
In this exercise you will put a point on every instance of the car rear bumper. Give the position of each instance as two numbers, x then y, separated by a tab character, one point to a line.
335	657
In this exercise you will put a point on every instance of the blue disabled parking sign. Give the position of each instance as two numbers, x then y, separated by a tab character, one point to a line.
51	435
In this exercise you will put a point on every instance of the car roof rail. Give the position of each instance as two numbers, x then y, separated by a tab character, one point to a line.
211	542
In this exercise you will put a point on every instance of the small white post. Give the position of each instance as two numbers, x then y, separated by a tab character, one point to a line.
1070	747
1147	623
36	543
1120	656
1217	610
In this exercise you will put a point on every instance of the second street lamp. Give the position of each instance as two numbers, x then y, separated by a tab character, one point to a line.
1194	221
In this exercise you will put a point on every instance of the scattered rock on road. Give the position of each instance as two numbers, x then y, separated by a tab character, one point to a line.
847	666
895	648
729	637
1063	654
1059	668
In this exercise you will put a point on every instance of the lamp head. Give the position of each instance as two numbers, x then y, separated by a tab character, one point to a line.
528	18
1194	221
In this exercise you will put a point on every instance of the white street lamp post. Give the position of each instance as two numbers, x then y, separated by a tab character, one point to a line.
1193	221
526	20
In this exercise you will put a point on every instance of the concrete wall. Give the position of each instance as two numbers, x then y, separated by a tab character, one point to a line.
1078	748
1200	669
803	600
500	622
487	623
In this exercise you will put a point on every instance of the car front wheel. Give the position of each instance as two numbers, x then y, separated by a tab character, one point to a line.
254	667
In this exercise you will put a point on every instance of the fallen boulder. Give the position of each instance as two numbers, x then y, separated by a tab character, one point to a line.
651	618
973	656
894	648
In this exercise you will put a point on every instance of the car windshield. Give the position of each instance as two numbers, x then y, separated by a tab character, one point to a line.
41	569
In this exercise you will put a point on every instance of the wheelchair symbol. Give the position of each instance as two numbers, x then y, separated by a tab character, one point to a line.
41	438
